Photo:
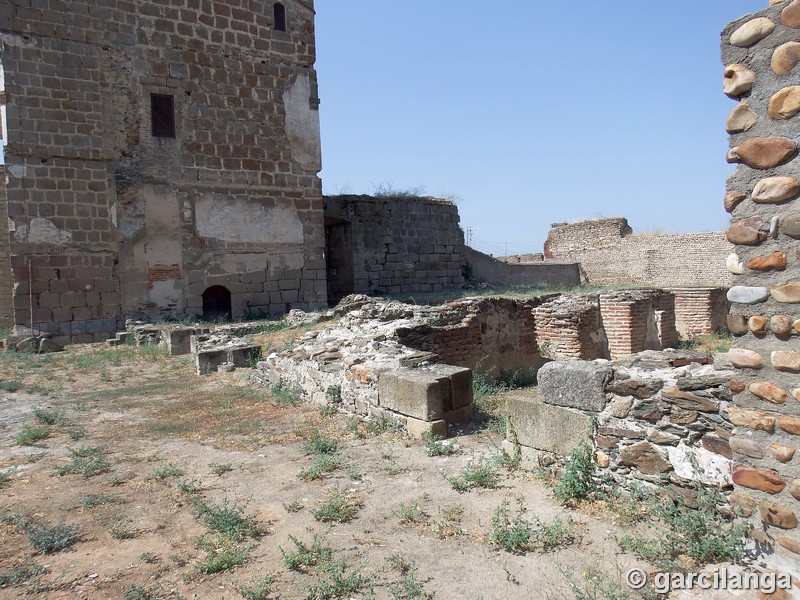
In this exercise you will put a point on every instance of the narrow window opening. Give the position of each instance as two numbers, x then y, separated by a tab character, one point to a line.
162	115
279	12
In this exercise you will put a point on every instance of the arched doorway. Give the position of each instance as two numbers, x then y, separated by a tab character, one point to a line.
217	303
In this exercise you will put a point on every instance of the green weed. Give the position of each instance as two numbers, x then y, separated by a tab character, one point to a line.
578	481
219	469
166	471
409	587
410	513
22	574
436	445
49	539
5	478
286	394
222	553
92	500
322	464
121	528
259	589
319	444
340	507
30	434
304	556
10	386
477	474
48	417
335	579
139	592
85	461
228	519
516	534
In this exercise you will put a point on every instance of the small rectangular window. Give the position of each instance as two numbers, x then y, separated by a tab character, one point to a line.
162	115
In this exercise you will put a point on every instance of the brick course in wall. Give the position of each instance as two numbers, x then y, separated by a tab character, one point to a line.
233	199
610	253
700	311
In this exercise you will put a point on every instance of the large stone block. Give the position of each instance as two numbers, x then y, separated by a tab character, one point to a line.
413	393
459	382
546	427
575	384
178	340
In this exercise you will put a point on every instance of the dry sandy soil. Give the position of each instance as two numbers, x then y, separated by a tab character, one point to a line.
173	450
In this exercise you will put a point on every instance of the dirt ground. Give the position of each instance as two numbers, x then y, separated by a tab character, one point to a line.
140	452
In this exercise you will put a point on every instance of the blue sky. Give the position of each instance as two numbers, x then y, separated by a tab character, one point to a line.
530	113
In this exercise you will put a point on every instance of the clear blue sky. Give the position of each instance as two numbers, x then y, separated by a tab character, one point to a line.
530	113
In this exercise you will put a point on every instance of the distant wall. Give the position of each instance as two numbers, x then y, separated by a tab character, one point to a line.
496	272
610	253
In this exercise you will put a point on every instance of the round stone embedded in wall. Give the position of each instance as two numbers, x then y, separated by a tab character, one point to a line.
772	262
743	294
737	325
763	153
790	16
733	198
785	58
772	190
742	358
788	294
752	32
734	264
785	360
768	391
757	324
785	104
741	118
737	80
780	325
747	232
791	226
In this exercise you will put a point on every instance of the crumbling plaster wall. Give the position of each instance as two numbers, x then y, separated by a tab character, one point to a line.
760	54
115	220
610	253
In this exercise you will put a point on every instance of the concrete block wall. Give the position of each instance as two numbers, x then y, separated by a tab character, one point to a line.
759	52
609	253
232	199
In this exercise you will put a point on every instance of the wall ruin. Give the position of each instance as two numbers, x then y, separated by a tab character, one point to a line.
610	253
154	152
760	54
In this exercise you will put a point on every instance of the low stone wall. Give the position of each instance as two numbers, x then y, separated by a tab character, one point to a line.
656	414
499	273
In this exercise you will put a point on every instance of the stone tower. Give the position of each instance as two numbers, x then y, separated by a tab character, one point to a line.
161	159
760	53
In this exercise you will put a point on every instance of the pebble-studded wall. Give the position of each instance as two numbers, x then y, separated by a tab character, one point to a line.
760	53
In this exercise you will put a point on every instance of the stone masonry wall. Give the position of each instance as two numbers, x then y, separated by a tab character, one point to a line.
116	219
6	283
609	253
760	52
387	245
700	310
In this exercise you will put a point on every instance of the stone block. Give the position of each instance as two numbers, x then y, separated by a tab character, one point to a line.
413	393
460	415
178	341
417	427
207	361
547	427
575	384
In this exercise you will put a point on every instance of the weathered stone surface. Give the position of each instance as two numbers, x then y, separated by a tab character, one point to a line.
619	432
737	324
753	419
782	454
733	198
736	386
714	443
796	394
743	294
794	489
789	424
757	324
645	457
785	58
796	325
776	515
747	232
785	104
639	388
746	447
689	401
772	190
648	411
771	262
663	438
743	358
741	119
752	32
701	382
698	464
683	417
780	325
765	480
790	16
574	384
786	360
790	544
791	226
737	80
743	506
734	264
417	428
768	391
413	393
621	406
763	153
788	294
601	459
546	427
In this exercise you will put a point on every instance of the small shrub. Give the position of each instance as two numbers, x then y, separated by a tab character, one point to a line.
293	506
92	500
304	556
258	589
139	592
383	424
511	533
333	394
436	445
285	394
5	478
319	444
409	587
410	513
449	525
77	433
555	535
149	557
227	519
335	579
167	471
222	553
188	487
85	461
340	507
122	528
48	417
477	474
50	539
30	434
219	469
322	464
10	386
578	480
22	574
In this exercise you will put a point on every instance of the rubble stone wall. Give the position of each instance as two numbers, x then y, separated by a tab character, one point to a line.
760	54
610	253
117	217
